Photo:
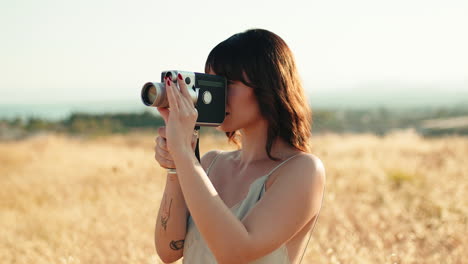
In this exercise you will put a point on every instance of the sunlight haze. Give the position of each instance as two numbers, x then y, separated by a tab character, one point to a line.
74	51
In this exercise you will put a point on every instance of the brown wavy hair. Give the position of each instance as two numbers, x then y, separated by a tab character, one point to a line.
261	59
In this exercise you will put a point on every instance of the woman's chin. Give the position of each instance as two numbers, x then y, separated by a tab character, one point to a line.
225	127
221	128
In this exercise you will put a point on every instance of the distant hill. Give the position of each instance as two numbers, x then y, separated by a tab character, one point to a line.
392	96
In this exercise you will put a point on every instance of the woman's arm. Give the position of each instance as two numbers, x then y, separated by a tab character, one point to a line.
171	222
288	205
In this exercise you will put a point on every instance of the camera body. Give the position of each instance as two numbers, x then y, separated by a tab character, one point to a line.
208	93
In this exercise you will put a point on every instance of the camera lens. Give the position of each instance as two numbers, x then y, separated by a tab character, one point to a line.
149	94
154	94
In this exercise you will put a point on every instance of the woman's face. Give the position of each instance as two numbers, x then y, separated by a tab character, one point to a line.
242	109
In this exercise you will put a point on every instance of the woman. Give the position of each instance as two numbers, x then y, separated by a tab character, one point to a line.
254	205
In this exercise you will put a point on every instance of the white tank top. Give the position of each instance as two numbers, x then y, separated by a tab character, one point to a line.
196	250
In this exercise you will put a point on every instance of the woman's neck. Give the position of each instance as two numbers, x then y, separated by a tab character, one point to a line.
254	140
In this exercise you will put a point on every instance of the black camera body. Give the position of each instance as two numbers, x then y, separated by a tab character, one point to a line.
208	93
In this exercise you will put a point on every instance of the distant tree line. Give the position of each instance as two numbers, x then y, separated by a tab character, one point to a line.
89	124
378	121
382	120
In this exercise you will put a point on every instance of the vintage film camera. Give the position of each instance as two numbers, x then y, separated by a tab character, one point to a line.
208	94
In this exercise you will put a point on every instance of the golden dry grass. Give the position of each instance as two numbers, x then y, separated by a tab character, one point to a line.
393	199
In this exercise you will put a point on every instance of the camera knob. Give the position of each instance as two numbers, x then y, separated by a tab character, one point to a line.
207	97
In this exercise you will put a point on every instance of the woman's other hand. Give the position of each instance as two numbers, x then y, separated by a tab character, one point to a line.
161	151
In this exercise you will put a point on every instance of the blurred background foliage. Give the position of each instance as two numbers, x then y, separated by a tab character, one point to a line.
380	121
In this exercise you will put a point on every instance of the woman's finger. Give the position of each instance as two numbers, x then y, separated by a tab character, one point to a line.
162	143
171	97
177	91
185	103
183	87
162	131
163	153
158	140
165	163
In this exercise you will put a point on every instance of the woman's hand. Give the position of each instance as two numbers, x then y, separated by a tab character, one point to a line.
180	117
161	152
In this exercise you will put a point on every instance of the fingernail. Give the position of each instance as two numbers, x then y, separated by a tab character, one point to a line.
180	76
168	82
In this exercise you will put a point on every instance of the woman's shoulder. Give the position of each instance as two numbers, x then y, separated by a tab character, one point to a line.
309	158
209	157
304	173
305	165
312	160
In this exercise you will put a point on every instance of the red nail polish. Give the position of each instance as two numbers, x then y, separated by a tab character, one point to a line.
180	76
168	82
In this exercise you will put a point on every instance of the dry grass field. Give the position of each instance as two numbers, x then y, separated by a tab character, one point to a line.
394	199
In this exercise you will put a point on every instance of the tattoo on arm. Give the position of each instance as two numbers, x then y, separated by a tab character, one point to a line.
177	245
166	213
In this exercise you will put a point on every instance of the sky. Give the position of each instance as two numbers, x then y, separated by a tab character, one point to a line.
96	50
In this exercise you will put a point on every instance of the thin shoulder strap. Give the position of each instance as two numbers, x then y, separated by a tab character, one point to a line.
212	162
281	164
313	226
